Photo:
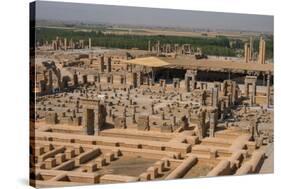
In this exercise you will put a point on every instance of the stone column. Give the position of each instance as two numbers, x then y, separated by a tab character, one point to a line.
90	43
215	97
65	44
108	66
158	47
134	115
101	64
176	83
134	80
246	89
201	125
50	81
224	87
213	122
251	49
174	121
89	121
186	82
193	82
100	117
81	44
75	79
152	109
139	79
111	78
54	45
262	51
222	111
58	74
203	98
202	86
268	90
152	77
254	92
234	93
77	106
254	129
246	52
71	44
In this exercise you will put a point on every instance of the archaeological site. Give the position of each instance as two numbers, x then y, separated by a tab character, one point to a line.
165	110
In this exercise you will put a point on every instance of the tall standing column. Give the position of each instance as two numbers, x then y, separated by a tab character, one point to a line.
215	97
262	51
50	82
254	92
101	64
158	47
108	66
246	52
187	84
65	44
246	89
268	90
251	49
75	79
134	80
234	93
213	122
90	43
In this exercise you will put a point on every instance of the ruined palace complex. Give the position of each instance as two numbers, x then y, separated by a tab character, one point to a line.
123	115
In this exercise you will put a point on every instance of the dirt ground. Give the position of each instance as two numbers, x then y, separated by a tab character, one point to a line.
128	165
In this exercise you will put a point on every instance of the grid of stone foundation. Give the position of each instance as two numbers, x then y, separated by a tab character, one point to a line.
100	118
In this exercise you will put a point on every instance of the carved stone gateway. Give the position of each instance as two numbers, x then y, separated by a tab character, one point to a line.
250	80
213	121
190	76
89	121
176	83
94	115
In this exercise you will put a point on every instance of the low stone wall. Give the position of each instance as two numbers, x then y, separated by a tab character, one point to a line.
86	156
246	168
155	170
51	154
108	178
107	141
182	169
253	165
66	166
236	159
223	168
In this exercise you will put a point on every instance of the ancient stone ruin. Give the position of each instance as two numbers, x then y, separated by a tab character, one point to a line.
107	116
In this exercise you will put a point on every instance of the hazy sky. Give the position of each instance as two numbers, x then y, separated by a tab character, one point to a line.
93	13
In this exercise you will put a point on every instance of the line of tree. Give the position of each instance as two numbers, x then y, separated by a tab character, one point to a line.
218	46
